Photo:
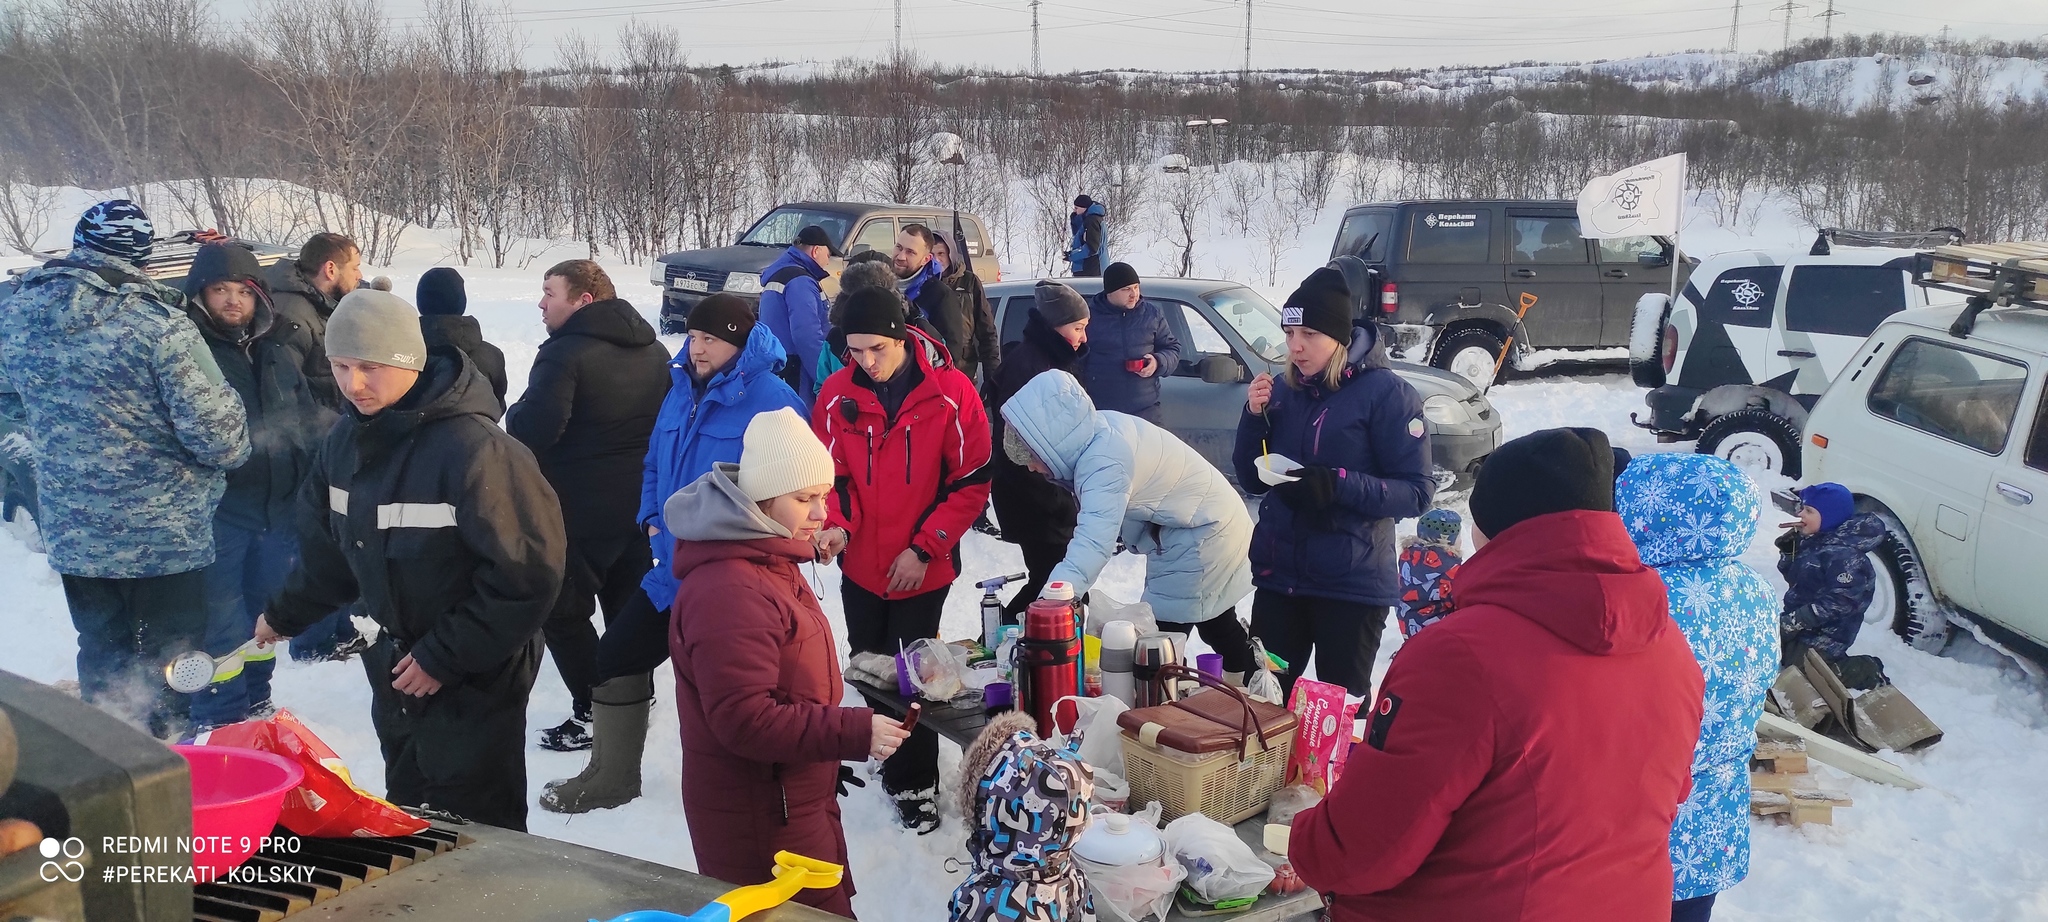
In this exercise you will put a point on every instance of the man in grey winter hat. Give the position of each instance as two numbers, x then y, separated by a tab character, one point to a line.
442	524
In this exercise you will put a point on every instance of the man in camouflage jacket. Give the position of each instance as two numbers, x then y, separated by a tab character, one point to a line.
133	431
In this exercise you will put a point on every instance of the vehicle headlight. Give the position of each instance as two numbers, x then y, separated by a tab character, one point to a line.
746	283
657	275
1444	411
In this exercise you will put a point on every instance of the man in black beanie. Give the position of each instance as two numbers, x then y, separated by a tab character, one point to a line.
1130	347
1555	470
442	302
1085	243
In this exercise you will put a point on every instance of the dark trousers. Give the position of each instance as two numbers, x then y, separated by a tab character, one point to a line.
461	749
602	573
127	630
319	642
635	642
248	566
878	625
1039	560
1697	909
1345	637
1226	635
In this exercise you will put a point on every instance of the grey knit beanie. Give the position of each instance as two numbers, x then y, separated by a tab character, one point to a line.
1059	304
377	326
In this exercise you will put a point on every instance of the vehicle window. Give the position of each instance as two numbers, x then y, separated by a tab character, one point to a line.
1256	320
1198	337
1449	235
1745	297
779	228
1203	336
1626	249
1547	240
1014	313
974	238
2037	448
879	234
1365	235
1962	396
1844	300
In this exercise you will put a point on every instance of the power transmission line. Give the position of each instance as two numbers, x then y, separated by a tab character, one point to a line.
1787	7
1735	30
1827	30
899	29
1245	75
1034	38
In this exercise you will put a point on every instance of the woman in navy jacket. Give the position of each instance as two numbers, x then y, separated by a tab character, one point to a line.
1323	553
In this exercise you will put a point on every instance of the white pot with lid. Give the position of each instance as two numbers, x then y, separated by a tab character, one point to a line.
1115	841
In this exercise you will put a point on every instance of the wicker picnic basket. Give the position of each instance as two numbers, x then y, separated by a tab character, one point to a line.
1216	752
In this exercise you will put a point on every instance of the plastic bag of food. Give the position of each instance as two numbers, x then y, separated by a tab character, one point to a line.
1102	610
1220	865
326	804
1096	739
1135	892
1324	725
1292	799
938	669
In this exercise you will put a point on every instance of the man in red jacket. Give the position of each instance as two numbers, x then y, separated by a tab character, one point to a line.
910	450
1526	756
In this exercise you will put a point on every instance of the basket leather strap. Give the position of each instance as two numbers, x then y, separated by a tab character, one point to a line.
1249	729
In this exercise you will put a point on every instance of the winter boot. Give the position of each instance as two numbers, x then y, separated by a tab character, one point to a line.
572	735
918	811
619	710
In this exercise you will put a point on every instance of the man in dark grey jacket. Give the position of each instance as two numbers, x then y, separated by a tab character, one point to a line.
1130	347
444	526
305	291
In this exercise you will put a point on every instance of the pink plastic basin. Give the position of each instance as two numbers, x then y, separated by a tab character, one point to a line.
236	797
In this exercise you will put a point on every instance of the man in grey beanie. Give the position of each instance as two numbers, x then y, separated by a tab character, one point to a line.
443	525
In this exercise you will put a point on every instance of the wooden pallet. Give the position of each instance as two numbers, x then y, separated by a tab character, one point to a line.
1781	784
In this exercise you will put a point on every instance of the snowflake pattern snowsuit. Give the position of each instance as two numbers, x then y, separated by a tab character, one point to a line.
1691	517
1426	574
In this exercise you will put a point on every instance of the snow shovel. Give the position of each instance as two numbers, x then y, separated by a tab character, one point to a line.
793	872
193	670
1880	718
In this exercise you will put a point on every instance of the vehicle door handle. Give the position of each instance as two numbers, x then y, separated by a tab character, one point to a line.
1525	273
1616	273
2015	495
1797	353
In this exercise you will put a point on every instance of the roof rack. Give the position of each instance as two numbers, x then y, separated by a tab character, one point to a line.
1992	274
1830	237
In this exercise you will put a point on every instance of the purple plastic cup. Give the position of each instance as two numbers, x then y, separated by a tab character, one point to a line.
1210	663
903	685
996	695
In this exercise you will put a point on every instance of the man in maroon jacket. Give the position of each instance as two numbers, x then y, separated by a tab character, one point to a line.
1526	756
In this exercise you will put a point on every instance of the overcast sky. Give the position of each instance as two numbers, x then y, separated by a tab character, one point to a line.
1209	34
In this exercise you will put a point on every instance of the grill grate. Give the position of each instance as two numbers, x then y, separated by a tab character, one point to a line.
317	870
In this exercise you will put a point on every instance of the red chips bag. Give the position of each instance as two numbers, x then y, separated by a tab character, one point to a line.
327	804
1323	729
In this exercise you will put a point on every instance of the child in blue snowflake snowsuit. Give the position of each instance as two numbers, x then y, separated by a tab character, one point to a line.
1691	517
1827	566
1428	563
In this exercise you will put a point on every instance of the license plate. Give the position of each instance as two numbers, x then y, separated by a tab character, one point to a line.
689	284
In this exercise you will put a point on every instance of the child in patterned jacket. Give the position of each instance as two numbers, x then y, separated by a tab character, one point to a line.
1429	561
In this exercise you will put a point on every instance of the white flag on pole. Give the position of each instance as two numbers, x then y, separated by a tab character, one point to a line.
1643	199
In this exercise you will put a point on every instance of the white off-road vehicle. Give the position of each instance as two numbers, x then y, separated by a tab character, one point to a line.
1940	427
1757	335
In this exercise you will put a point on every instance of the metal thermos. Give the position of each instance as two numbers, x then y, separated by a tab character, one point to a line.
1153	652
1119	646
992	608
1051	657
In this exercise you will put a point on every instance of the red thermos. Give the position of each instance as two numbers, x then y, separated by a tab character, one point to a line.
1051	654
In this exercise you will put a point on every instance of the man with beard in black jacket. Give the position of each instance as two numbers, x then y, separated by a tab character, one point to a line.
934	305
305	291
444	526
588	411
443	302
1036	514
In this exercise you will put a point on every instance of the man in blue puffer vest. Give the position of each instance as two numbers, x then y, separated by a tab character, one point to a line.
1085	249
793	306
730	373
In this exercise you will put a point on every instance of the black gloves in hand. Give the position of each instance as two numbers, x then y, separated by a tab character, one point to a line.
1788	543
846	777
1314	492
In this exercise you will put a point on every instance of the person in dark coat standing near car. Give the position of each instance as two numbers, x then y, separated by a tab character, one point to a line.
757	678
589	408
305	291
1130	347
935	306
1526	757
793	304
1323	558
1085	244
444	302
255	538
1036	514
443	525
981	339
911	443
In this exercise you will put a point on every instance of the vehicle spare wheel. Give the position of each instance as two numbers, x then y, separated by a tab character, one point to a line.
1647	351
1471	353
1756	440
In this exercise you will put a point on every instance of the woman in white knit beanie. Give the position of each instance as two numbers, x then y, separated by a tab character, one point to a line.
757	677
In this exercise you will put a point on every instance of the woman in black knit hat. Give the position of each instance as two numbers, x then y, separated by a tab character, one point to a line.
1323	555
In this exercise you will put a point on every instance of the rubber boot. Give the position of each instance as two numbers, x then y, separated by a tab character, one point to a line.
619	710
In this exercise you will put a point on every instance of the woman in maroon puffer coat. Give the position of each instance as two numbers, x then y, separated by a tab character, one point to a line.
757	679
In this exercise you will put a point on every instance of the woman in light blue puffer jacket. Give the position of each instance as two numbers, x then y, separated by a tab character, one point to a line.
1141	484
1692	516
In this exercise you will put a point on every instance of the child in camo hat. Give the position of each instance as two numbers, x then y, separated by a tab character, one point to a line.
1429	562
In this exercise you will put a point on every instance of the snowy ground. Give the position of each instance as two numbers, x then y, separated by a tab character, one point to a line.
1966	848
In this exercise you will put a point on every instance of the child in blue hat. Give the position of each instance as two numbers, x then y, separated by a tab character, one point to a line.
1428	563
1825	561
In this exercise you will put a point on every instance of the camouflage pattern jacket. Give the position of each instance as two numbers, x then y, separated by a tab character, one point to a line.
134	428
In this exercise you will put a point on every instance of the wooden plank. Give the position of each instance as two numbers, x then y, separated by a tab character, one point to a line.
1781	783
1840	755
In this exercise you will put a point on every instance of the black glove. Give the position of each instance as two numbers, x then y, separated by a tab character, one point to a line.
846	777
1314	492
1803	618
1788	543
